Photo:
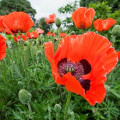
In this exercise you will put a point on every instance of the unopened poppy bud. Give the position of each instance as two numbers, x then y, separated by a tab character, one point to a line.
116	30
58	22
24	96
57	108
38	54
72	33
107	87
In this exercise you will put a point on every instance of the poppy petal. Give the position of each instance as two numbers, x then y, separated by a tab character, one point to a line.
73	85
89	16
108	23
63	49
118	53
78	17
3	47
49	51
98	24
96	94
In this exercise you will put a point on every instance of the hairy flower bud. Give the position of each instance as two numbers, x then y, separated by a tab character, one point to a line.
24	96
38	55
58	22
57	108
116	30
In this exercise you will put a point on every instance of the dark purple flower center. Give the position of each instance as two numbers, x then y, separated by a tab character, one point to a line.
77	70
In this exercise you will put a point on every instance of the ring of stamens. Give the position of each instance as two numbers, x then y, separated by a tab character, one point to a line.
70	67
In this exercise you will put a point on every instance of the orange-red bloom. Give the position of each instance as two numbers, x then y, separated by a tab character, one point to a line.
49	33
16	39
23	37
1	24
51	19
39	31
118	55
33	34
101	25
3	47
53	34
81	64
83	17
62	34
18	22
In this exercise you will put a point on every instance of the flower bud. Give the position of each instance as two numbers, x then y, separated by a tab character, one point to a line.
72	33
38	55
57	108
116	30
58	22
24	96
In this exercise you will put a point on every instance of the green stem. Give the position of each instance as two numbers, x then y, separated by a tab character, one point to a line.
83	31
57	116
67	104
29	107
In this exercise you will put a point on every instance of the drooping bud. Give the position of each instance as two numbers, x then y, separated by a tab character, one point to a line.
38	55
116	30
24	96
72	33
58	22
57	108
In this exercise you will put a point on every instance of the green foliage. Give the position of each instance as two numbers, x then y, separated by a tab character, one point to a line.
8	6
115	4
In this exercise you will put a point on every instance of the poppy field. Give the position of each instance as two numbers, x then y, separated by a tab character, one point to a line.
61	74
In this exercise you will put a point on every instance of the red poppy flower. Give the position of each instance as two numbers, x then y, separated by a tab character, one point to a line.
49	33
3	47
18	21
83	17
47	20
33	34
1	24
23	37
118	55
81	64
28	35
53	34
51	19
101	25
7	30
62	34
39	31
16	39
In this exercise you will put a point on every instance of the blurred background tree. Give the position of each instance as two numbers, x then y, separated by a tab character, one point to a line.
8	6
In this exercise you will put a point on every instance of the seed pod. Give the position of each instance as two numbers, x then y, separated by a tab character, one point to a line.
58	22
24	96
